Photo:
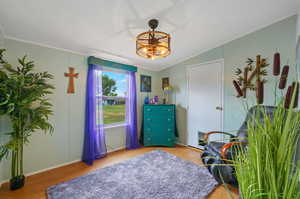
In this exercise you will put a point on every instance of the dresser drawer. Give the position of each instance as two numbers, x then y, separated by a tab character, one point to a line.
158	110
159	119
159	130
153	140
154	108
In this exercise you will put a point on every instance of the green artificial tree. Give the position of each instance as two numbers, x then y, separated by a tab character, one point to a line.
23	99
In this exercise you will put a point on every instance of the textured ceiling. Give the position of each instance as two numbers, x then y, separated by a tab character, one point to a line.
107	28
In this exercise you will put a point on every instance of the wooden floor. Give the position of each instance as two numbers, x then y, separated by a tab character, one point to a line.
37	184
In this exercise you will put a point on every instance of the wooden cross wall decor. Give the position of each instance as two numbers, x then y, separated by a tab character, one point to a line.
71	75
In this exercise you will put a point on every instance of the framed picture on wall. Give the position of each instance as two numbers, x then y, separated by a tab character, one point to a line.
165	82
145	83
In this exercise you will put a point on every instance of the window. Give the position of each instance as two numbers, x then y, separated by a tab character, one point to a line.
114	90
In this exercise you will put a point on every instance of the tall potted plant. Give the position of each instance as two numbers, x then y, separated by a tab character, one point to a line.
23	99
267	169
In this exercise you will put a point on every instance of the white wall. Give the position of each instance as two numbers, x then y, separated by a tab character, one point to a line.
281	36
66	143
298	23
298	62
1	163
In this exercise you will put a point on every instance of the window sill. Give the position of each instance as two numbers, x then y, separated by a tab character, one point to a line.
118	125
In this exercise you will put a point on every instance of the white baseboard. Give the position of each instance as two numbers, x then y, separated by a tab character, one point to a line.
53	167
1	183
181	144
116	149
42	170
59	165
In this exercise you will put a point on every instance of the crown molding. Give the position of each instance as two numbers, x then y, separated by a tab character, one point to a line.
45	45
78	53
220	44
150	68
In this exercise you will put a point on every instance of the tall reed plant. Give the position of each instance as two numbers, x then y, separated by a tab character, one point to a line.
267	169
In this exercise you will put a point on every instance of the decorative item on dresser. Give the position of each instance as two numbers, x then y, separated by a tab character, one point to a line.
167	91
159	125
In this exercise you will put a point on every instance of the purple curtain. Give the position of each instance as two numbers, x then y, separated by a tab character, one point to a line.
131	114
94	137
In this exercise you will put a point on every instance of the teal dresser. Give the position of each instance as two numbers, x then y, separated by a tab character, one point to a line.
159	125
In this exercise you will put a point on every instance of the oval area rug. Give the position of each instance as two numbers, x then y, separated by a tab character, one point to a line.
153	175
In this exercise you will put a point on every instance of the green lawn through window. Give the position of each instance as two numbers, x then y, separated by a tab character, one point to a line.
114	113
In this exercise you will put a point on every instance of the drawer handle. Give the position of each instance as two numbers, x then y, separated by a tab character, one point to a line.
169	119
169	139
148	119
148	109
169	109
169	129
149	139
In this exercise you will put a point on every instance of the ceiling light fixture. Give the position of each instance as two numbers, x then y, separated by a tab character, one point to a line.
153	44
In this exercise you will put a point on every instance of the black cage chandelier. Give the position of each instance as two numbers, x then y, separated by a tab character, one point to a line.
153	44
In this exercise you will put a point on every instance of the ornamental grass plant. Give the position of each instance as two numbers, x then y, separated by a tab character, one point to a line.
267	169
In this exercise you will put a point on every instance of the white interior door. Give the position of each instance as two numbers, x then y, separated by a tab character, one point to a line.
205	101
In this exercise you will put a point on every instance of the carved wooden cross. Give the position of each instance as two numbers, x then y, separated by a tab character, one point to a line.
71	76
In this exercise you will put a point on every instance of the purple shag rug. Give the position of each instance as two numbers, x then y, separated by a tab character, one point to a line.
153	175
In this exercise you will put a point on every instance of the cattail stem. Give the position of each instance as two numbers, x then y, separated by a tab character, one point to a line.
238	88
276	64
295	91
288	97
245	83
260	92
283	77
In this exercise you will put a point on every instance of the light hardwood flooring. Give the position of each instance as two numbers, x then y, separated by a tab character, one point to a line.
37	184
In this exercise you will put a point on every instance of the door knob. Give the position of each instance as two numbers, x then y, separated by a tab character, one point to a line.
219	108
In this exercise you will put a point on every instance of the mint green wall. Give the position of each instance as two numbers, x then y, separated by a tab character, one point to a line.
281	36
298	23
65	145
298	62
